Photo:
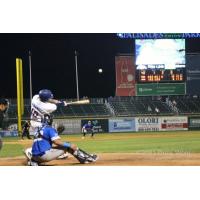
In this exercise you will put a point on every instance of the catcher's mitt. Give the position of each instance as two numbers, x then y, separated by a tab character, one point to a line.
60	129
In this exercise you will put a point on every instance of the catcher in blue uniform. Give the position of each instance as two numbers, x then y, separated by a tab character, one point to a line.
48	146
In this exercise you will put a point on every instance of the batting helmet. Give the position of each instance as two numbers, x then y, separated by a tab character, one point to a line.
45	95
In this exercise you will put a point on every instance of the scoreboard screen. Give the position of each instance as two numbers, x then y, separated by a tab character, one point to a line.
159	75
160	60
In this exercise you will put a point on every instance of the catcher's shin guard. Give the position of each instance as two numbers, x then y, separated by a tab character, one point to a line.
80	156
90	157
84	157
87	155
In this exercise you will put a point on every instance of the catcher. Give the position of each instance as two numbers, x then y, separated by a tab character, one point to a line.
48	146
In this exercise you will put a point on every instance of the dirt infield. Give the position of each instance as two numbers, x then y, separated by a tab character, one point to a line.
122	159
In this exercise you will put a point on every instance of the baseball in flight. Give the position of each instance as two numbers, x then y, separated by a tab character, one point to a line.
100	70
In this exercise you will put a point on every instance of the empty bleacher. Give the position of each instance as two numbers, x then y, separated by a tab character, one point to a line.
187	105
87	110
134	107
12	111
120	106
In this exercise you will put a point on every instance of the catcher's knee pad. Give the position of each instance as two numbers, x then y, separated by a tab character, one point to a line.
80	156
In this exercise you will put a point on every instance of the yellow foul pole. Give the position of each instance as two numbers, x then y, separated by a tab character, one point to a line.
21	84
20	99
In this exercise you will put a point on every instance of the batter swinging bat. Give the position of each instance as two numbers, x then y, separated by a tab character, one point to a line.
84	101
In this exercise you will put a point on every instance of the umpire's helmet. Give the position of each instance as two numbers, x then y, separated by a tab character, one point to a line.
47	119
45	95
4	102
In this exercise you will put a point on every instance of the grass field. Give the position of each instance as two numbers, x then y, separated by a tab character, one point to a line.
154	142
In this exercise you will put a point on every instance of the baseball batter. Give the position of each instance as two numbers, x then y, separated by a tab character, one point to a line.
43	103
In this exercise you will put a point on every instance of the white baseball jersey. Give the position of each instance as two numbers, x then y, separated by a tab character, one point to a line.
38	109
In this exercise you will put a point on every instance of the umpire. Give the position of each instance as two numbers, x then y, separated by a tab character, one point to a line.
3	110
25	131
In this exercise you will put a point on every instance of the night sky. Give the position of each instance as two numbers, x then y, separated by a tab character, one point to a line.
53	62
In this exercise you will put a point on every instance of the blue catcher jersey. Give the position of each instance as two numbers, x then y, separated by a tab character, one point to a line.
43	141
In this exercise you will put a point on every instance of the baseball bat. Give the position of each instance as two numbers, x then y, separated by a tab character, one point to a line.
84	101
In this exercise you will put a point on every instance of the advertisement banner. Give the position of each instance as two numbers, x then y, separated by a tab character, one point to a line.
174	123
71	125
194	123
125	76
154	89
13	127
8	133
121	125
100	125
147	123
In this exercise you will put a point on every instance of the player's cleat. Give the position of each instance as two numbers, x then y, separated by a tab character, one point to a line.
28	153
84	157
82	160
64	156
85	161
32	163
89	159
95	157
92	158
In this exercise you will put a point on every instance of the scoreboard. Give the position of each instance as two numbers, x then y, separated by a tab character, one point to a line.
160	60
160	75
